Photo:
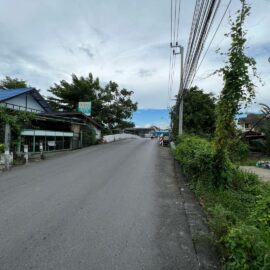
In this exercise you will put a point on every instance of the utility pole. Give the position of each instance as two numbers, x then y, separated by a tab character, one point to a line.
181	92
181	88
7	146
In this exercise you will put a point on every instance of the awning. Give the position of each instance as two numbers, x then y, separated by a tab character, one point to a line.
47	133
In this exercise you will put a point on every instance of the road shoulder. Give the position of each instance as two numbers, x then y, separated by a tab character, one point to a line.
201	235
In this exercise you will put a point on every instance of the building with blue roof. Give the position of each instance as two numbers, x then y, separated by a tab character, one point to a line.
49	131
24	99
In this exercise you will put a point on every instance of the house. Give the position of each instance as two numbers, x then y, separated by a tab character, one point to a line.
249	122
249	125
49	131
24	99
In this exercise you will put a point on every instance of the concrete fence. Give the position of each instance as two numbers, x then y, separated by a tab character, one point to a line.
118	137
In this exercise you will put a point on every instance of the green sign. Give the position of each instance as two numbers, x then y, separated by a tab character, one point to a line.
85	107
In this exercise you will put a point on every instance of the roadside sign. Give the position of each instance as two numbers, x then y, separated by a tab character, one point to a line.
51	143
25	148
85	107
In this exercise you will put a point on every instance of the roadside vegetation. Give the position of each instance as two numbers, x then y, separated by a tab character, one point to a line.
17	120
252	160
236	202
198	113
238	213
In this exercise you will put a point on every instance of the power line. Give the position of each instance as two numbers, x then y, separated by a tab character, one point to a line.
203	17
214	35
178	21
175	22
172	74
203	38
175	13
171	20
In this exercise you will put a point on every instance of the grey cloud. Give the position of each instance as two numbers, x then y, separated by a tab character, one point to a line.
87	51
115	40
18	56
103	36
68	49
119	71
146	72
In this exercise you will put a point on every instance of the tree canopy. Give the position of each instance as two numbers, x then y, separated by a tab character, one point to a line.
10	83
198	113
111	106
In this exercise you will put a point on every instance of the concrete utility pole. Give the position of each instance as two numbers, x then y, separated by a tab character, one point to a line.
181	91
181	88
7	146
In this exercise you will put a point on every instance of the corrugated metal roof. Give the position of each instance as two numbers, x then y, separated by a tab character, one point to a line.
6	94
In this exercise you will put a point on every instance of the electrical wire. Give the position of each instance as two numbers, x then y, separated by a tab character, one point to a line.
178	20
203	17
214	35
175	13
175	26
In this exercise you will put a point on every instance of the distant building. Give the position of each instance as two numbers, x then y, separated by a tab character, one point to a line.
249	125
50	131
249	122
143	132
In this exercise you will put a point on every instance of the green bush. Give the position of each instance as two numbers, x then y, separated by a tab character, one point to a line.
261	214
238	150
2	148
196	157
238	213
247	248
220	220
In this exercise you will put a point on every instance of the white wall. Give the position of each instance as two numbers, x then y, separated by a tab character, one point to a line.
21	101
118	137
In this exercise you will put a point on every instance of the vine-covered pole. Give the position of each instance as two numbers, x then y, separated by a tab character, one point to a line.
238	90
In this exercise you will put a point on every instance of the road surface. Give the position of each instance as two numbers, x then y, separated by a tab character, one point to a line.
113	206
264	174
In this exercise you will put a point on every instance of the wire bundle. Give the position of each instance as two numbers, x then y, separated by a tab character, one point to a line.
175	22
203	17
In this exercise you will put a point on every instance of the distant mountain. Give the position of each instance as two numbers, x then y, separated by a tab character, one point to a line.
149	117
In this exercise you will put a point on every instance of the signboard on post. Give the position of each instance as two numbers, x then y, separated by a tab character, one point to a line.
85	107
25	150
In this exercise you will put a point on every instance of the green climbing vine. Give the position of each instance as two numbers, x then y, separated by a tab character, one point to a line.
238	90
16	119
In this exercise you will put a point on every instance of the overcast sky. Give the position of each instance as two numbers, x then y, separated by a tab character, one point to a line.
44	41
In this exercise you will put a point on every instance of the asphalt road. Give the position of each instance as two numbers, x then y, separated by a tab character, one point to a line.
113	206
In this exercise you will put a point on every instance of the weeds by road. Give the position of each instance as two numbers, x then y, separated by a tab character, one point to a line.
238	214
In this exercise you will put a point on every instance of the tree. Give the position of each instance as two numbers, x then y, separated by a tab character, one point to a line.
16	119
265	128
112	107
198	113
238	90
11	83
117	107
67	95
